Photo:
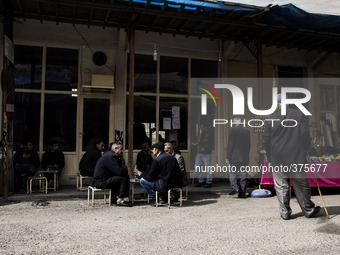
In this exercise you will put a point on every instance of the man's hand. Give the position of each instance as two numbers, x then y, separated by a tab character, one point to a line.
136	172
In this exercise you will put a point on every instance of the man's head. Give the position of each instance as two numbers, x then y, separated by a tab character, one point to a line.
146	147
117	148
237	121
168	148
157	148
100	144
203	127
28	145
54	145
174	144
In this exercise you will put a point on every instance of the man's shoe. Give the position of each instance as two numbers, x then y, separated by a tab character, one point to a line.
286	217
242	196
126	204
315	211
208	185
200	184
233	192
161	201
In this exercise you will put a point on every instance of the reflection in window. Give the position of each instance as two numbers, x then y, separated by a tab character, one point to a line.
60	120
96	121
173	75
27	73
144	120
26	118
204	68
145	73
173	121
61	69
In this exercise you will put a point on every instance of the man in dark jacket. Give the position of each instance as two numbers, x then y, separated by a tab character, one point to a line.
90	158
53	159
238	155
26	161
144	158
287	147
205	147
111	173
164	174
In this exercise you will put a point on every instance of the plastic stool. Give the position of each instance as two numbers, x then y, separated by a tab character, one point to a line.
80	179
169	193
93	190
30	182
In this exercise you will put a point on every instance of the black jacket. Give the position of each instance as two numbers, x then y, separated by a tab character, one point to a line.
144	161
287	145
165	173
107	166
206	142
89	161
238	147
53	158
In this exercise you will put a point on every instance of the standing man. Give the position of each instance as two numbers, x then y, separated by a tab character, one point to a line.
288	146
111	173
205	147
164	174
238	155
90	158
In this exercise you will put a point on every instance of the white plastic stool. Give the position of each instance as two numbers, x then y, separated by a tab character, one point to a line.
80	179
169	193
93	190
39	178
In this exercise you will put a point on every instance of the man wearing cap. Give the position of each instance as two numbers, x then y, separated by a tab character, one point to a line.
164	174
111	172
238	155
288	146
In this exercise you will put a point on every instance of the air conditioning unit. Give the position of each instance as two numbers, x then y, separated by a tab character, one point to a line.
102	81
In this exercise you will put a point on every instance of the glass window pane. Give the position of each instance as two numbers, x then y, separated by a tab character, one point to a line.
173	75
26	118
145	73
60	120
204	68
96	120
61	69
144	120
173	121
27	67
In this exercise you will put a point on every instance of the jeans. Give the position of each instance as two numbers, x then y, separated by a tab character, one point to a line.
148	186
202	158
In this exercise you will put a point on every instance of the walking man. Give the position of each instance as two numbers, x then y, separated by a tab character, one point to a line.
288	146
238	155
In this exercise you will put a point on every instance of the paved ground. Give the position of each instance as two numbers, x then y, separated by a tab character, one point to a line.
211	222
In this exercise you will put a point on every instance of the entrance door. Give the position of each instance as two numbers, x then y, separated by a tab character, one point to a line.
95	121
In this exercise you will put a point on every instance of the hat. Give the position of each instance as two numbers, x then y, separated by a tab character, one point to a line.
159	146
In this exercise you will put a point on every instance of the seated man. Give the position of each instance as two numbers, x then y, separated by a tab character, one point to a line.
90	158
169	148
144	158
53	159
26	161
111	173
164	174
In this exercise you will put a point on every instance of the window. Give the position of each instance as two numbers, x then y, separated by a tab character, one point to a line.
27	71
26	118
96	120
60	120
173	75
61	69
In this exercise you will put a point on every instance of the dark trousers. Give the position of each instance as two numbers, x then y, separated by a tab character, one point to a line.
119	185
27	169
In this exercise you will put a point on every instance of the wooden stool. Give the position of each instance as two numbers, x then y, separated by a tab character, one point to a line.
39	178
80	179
93	190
